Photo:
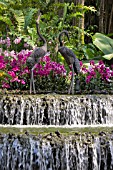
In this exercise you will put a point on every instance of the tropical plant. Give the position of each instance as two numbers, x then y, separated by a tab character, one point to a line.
49	75
96	76
13	63
4	77
105	44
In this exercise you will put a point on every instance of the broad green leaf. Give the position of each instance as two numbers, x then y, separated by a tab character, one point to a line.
108	56
89	53
104	43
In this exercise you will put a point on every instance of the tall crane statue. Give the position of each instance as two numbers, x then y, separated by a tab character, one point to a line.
37	53
71	60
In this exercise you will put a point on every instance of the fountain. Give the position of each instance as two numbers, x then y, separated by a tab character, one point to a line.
56	132
57	110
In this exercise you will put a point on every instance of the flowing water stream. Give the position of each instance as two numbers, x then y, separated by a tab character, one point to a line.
81	152
56	110
54	150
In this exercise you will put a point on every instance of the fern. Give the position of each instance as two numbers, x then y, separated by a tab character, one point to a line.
3	3
19	17
28	17
65	12
7	21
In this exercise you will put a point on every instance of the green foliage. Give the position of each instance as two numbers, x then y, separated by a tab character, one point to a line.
20	18
33	34
90	51
3	76
105	44
6	20
64	12
28	17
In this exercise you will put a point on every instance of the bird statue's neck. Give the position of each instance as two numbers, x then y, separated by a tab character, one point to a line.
60	37
60	40
38	32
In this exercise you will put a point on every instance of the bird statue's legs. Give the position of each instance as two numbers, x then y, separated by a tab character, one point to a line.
77	85
32	83
71	88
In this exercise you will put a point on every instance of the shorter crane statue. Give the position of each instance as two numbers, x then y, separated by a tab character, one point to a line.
37	53
71	60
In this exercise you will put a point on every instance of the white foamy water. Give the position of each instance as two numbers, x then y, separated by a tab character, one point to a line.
75	152
56	110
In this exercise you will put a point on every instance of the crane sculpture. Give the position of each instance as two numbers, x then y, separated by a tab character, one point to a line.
37	53
70	59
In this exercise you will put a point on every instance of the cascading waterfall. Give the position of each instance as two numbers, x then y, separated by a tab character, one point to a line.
80	152
54	151
56	110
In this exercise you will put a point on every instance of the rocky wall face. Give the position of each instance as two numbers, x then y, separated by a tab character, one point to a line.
53	152
56	110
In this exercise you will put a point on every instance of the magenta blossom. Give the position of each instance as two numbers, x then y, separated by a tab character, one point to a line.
12	74
8	42
17	40
15	69
2	66
23	82
5	85
88	78
97	71
92	62
2	63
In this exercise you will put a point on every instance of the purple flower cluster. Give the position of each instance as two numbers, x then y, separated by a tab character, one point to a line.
96	71
15	65
46	66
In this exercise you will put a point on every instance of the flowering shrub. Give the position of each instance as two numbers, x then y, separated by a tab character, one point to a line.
20	75
96	76
49	75
3	76
14	63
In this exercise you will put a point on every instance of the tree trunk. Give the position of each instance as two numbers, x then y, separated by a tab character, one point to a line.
110	20
81	24
60	13
101	17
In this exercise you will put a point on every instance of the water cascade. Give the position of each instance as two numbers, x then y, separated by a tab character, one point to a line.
78	152
65	146
56	110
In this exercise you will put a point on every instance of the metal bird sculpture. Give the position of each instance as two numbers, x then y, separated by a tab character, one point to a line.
37	53
70	59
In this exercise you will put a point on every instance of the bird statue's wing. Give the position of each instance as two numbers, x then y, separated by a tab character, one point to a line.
70	53
38	53
74	59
